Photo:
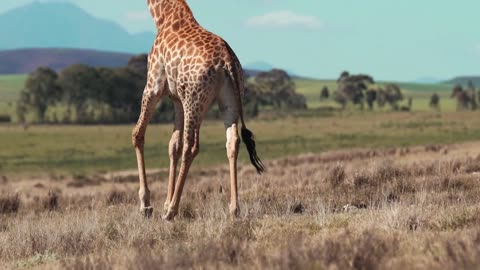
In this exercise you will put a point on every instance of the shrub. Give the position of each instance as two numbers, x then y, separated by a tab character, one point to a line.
9	204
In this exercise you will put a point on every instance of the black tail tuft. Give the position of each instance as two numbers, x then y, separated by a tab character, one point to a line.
247	137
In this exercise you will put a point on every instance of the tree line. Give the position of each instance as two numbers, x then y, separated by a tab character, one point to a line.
359	90
81	94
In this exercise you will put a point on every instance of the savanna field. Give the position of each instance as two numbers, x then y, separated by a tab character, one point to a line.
343	190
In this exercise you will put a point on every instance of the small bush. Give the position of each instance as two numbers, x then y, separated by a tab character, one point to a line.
387	172
297	208
336	175
5	118
241	230
361	180
9	204
188	211
116	197
50	203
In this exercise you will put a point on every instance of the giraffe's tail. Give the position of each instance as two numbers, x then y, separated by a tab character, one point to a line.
236	76
248	139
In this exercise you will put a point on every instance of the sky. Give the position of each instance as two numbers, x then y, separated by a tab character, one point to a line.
391	40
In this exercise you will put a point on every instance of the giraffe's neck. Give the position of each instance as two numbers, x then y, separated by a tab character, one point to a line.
170	12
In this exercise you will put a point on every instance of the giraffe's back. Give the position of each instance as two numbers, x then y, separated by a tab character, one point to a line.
184	51
193	55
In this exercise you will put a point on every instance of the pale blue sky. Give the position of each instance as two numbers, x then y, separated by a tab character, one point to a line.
392	40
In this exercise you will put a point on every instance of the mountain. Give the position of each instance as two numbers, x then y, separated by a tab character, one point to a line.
427	80
463	80
23	61
259	66
65	25
256	67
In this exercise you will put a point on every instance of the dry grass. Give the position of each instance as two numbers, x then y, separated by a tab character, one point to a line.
415	208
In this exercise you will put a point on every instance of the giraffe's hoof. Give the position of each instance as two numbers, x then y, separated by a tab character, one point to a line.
146	211
170	215
235	212
166	206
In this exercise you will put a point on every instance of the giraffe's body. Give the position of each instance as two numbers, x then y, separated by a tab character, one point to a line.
194	67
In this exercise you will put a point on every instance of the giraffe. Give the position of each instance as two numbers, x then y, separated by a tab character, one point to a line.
194	67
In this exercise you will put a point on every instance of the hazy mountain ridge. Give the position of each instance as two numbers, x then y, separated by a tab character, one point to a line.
463	80
66	26
23	61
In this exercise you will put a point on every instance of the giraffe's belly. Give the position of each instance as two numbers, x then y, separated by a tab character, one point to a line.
172	74
172	88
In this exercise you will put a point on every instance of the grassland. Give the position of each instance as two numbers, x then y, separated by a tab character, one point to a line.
10	87
96	149
401	208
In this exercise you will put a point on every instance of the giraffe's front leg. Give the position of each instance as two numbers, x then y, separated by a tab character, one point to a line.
149	102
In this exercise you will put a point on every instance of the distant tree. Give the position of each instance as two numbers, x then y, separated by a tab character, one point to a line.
341	98
381	97
343	76
465	99
276	88
470	85
251	100
139	64
435	101
473	95
371	96
81	84
325	93
353	88
393	95
41	90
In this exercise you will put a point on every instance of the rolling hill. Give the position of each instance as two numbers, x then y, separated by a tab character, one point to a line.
23	61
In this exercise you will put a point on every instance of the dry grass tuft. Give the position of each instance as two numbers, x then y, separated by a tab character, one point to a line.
336	175
116	197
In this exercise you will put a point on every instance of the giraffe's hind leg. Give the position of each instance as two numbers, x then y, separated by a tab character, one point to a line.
195	104
229	107
191	148
149	101
175	151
